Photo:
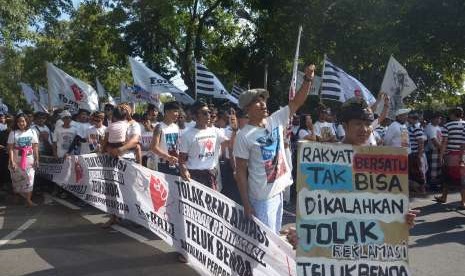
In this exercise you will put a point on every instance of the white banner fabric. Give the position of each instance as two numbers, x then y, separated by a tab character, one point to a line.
204	225
67	91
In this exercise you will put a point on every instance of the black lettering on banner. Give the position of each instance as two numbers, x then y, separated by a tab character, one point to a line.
110	203
108	175
234	261
326	155
190	192
379	182
374	252
326	234
326	176
343	268
222	232
106	161
105	188
162	224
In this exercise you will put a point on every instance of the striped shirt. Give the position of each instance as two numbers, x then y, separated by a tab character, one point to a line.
454	132
416	135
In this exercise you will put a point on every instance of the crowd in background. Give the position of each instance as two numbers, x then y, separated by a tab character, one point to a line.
209	144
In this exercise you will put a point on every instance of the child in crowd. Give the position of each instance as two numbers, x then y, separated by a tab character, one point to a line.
118	128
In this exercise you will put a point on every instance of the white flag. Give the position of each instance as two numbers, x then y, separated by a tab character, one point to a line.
207	83
43	96
292	89
396	84
28	93
67	91
125	93
100	89
148	84
340	86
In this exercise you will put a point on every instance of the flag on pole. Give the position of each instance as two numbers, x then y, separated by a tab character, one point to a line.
236	91
207	83
70	92
100	90
102	93
43	96
397	84
293	86
31	98
125	93
337	85
148	84
28	93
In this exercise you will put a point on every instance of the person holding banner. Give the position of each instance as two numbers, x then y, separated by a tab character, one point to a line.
166	139
262	169
23	156
200	147
357	119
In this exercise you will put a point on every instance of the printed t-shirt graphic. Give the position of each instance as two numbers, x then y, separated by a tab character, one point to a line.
272	157
172	143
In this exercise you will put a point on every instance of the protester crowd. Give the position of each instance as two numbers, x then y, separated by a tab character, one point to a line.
246	153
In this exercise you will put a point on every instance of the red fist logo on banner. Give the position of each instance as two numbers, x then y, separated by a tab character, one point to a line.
77	92
158	193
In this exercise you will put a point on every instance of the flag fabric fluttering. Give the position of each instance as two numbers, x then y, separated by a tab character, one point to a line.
148	85
67	91
207	83
236	91
397	84
43	96
293	86
337	85
31	98
28	93
102	93
316	83
3	107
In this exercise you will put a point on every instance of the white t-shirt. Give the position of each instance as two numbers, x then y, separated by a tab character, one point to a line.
202	146
2	127
117	131
94	137
64	138
324	130
304	133
397	136
268	168
433	132
190	124
146	137
133	129
21	139
169	138
42	129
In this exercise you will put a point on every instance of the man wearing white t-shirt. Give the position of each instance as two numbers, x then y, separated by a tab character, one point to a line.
397	133
166	139
200	148
95	133
262	169
324	130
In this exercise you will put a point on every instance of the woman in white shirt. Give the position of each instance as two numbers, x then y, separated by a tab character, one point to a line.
305	131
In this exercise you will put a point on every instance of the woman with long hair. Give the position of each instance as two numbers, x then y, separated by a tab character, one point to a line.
305	131
23	157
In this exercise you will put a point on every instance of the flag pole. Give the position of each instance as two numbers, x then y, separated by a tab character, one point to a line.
48	91
293	88
195	79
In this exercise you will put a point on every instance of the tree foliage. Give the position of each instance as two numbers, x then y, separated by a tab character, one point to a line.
236	40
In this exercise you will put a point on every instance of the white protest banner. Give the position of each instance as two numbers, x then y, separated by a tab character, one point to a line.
28	93
204	225
43	96
397	84
154	84
70	92
351	208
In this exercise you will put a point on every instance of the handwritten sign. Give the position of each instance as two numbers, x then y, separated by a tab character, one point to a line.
351	209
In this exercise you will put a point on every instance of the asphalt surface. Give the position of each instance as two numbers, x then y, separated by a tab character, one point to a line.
59	238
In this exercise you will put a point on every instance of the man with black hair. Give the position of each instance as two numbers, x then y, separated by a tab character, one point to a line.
200	148
417	158
452	152
152	113
165	140
262	169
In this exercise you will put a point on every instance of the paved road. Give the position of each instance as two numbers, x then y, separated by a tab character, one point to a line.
56	239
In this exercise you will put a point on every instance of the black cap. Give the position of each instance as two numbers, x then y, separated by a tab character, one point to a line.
356	109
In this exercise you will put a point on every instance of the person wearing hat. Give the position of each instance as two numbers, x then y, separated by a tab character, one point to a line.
262	169
397	133
63	136
417	159
324	130
452	152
